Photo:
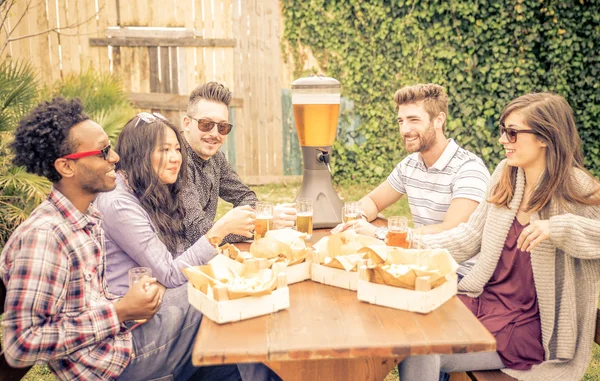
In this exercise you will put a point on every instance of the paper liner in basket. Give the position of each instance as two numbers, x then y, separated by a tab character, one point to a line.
345	250
404	266
283	245
223	271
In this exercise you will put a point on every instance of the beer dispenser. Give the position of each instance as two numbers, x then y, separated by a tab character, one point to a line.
316	103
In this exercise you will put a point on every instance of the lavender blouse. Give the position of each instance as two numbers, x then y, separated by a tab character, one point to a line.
131	241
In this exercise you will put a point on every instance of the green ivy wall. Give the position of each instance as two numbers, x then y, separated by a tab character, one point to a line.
485	53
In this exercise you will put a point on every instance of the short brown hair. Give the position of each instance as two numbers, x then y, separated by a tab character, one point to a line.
210	91
433	98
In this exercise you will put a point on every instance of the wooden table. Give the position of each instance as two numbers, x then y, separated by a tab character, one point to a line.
327	334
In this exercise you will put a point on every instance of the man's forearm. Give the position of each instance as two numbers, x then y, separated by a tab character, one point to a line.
369	208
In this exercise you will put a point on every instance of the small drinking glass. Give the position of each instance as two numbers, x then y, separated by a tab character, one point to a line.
398	233
135	274
304	216
351	211
264	219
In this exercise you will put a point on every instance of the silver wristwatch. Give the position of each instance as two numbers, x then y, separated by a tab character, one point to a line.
381	233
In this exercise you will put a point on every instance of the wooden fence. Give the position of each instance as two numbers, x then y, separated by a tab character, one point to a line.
162	49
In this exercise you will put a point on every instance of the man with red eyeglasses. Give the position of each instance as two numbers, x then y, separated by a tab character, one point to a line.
205	128
58	309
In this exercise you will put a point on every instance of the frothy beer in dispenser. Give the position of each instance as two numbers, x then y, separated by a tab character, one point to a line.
316	103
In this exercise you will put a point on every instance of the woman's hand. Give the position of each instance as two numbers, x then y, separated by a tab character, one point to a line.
533	234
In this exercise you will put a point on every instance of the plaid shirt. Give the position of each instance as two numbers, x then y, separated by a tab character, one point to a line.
57	308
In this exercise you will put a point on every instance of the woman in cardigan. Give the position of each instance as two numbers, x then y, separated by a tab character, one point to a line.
535	284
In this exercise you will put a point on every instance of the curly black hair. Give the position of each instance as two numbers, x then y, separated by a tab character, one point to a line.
43	136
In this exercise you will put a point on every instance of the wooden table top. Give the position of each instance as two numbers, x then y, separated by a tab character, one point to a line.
325	322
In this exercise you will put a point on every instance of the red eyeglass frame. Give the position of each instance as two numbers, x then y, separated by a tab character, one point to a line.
78	155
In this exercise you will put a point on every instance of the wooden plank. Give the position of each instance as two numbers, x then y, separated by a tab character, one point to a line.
21	22
261	180
459	376
375	368
240	86
165	70
273	87
107	15
175	32
53	43
174	67
92	58
154	68
69	40
162	41
166	101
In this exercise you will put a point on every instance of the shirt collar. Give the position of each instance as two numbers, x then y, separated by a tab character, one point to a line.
446	156
197	160
70	213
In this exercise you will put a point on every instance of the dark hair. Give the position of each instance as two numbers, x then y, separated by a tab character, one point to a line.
210	91
162	202
43	136
432	96
551	117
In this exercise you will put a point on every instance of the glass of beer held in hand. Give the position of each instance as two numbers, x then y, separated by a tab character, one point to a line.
398	233
351	211
304	217
264	219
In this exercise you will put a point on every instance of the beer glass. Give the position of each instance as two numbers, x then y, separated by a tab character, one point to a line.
351	211
304	216
398	233
135	274
264	219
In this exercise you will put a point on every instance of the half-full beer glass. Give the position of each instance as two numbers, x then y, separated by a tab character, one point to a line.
398	233
264	219
135	274
304	216
351	211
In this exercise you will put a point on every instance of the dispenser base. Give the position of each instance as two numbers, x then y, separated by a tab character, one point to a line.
327	206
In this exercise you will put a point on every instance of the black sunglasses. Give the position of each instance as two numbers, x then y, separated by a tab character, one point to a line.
511	133
78	155
205	125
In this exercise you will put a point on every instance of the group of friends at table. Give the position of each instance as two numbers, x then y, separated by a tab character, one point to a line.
527	237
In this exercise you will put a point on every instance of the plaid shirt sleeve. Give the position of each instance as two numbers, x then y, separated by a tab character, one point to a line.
39	324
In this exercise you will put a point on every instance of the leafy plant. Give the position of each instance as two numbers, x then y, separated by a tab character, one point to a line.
484	53
18	91
102	96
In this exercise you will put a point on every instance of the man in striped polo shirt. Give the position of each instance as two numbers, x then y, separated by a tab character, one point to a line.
444	183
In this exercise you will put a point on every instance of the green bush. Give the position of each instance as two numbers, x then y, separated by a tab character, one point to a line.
484	53
104	101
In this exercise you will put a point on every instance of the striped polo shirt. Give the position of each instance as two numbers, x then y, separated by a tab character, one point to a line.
458	173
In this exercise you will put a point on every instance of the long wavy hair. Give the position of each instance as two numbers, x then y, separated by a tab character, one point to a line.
162	202
552	118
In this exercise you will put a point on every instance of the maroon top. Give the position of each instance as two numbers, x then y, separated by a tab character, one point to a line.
508	306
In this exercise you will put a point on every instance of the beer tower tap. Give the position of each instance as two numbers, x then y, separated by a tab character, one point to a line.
323	156
316	103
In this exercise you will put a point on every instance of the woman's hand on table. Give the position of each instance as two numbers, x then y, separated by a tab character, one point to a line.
284	216
360	226
532	235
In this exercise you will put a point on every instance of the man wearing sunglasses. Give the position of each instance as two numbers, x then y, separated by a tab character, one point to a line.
206	127
58	309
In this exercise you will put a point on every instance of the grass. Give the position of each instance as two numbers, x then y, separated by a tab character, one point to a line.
279	193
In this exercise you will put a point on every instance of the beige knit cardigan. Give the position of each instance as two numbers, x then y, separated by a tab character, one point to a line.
566	272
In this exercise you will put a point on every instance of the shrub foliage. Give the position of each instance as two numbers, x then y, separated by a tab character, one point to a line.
485	53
